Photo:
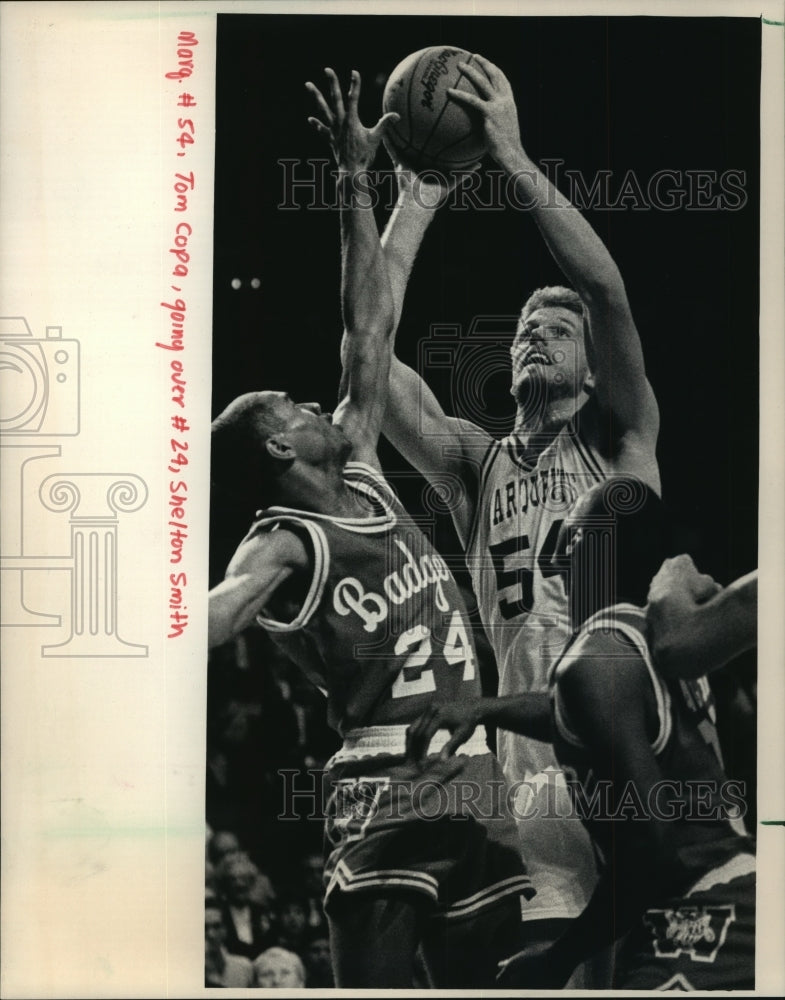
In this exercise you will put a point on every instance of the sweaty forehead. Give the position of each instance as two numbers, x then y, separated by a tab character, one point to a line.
555	316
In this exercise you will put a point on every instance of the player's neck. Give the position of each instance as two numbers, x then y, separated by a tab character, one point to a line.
321	491
532	427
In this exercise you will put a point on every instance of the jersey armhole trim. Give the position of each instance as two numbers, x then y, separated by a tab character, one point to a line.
494	448
584	449
637	638
605	618
321	568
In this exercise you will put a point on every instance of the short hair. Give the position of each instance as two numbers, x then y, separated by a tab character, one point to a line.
551	295
642	538
239	462
234	864
277	952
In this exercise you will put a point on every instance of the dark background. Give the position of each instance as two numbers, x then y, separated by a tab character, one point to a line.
618	94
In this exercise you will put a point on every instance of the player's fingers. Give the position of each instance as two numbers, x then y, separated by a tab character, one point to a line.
384	123
417	734
470	100
354	92
335	92
459	737
320	127
481	82
323	105
492	71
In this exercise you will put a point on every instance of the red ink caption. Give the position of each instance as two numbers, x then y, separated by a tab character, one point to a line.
176	310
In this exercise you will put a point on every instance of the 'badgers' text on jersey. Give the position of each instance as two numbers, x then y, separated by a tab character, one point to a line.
383	627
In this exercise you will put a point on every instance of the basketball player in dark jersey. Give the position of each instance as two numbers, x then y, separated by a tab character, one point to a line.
354	593
646	773
585	411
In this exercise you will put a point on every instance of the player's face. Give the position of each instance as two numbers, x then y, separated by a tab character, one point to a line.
549	355
310	432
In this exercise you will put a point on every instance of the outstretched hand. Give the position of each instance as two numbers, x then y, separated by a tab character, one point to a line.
495	103
354	146
460	720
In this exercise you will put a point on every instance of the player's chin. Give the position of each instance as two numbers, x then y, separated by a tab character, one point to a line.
526	385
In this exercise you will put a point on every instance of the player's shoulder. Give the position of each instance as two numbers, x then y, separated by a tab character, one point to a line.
610	649
270	543
369	480
468	441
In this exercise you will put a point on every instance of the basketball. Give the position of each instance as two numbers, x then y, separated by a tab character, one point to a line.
434	132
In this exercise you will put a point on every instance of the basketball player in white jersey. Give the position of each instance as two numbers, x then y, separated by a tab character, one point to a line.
585	410
353	592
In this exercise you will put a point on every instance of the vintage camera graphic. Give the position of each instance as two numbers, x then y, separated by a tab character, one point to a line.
39	380
475	372
471	368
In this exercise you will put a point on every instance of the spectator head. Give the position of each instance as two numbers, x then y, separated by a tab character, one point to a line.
279	967
292	917
317	960
236	877
262	893
221	844
214	927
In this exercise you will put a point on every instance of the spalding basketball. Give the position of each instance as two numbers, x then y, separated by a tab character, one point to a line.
434	131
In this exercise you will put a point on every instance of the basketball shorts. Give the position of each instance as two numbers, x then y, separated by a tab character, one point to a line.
443	834
703	941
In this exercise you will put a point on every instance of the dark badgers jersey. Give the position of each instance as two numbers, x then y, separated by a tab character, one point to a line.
382	628
695	794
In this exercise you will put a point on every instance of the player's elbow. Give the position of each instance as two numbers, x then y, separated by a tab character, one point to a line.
374	325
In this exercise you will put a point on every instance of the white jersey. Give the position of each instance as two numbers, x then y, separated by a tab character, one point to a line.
523	605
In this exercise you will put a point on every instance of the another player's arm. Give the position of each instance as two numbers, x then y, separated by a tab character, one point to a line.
415	422
610	705
259	566
366	300
696	626
525	714
621	386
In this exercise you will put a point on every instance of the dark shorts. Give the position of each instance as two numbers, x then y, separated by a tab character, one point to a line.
705	941
446	837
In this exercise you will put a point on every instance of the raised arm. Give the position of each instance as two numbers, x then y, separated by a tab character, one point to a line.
366	300
621	386
696	626
416	424
259	566
375	275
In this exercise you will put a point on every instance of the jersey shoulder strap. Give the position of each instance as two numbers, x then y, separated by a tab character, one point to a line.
313	534
621	618
489	460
